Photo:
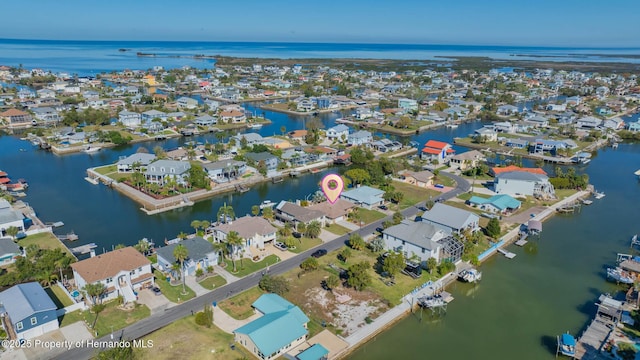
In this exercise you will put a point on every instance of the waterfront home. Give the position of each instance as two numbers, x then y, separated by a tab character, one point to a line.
420	178
466	160
16	118
137	162
305	105
505	126
298	135
251	138
634	126
176	115
386	145
153	114
408	105
361	137
507	110
538	121
270	161
588	122
541	146
201	255
516	143
613	124
363	113
502	204
335	212
295	214
129	119
225	170
205	120
212	104
364	196
339	132
519	183
46	115
556	107
254	230
233	117
494	171
436	151
296	157
486	134
26	311
10	218
123	272
281	327
186	103
451	219
46	93
9	251
160	171
422	240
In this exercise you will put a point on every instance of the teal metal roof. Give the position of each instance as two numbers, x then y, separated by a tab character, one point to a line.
316	352
274	331
502	201
269	303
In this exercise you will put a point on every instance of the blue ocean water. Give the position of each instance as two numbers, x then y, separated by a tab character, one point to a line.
93	57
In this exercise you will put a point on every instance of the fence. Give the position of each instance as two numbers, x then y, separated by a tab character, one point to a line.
491	250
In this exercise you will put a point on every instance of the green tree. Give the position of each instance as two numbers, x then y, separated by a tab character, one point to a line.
332	282
301	227
397	217
197	177
125	352
358	176
358	275
255	210
313	229
493	228
235	241
377	244
356	242
222	249
309	264
345	254
180	253
195	224
432	263
94	292
267	213
274	284
142	246
393	263
226	212
12	231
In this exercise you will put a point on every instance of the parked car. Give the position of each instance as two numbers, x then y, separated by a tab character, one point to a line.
280	246
422	208
383	207
156	290
297	235
318	253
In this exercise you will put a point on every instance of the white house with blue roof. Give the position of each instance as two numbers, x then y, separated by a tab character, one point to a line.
282	327
503	203
27	311
364	196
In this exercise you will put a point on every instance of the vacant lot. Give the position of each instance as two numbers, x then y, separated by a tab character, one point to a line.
239	306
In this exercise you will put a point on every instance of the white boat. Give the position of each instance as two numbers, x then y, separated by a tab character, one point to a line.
452	126
637	173
267	204
254	126
92	149
470	275
620	276
598	195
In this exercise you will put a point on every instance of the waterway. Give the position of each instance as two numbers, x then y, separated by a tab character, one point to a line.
550	287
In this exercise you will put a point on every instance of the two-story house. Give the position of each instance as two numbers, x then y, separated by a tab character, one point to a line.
225	170
254	230
129	118
339	132
423	240
201	255
361	137
160	171
137	161
451	219
26	311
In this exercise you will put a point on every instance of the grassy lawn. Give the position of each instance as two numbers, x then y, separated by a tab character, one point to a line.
108	169
337	229
305	244
239	306
43	241
369	216
477	249
565	193
213	282
446	181
413	194
173	293
110	317
247	266
183	339
58	296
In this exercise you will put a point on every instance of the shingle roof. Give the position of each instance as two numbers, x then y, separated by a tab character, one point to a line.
109	264
335	210
142	158
522	176
248	226
364	194
298	212
10	215
417	233
23	300
7	246
448	216
197	248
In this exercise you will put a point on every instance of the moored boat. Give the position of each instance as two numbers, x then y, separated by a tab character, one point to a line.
92	149
470	275
254	126
567	345
598	195
620	276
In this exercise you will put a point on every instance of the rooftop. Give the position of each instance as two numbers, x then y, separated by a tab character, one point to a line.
23	300
248	226
109	264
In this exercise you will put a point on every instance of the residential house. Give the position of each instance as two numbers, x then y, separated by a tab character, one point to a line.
408	105
206	120
129	118
254	230
26	311
486	134
46	114
634	126
339	132
10	217
298	135
421	178
538	121
161	171
294	214
507	110
187	103
270	161
225	170
251	138
281	327
588	122
46	93
129	163
306	105
201	255
364	196
519	183
16	118
335	212
422	240
385	145
437	151
541	146
363	113
467	160
361	137
233	116
9	251
451	219
614	124
502	204
505	126
123	272
516	143
149	115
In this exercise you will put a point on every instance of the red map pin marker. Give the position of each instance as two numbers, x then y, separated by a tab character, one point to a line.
332	186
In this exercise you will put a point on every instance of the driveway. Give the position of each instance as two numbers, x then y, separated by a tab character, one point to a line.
155	303
73	333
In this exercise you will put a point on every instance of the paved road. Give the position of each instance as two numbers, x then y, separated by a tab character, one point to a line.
160	320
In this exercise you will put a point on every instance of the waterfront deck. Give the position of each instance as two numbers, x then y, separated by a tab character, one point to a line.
589	344
507	254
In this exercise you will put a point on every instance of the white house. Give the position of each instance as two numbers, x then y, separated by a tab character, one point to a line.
338	132
254	230
451	219
129	118
518	183
361	137
423	240
408	105
9	218
122	271
225	170
187	103
159	172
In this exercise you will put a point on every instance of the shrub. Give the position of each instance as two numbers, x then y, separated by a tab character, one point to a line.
199	272
201	319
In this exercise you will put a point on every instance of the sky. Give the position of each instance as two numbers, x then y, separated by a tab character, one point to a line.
573	23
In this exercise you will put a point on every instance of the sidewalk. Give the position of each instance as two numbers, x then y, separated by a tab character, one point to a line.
191	282
225	274
226	323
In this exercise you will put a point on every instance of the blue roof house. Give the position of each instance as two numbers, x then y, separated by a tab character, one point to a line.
27	311
502	203
364	196
282	327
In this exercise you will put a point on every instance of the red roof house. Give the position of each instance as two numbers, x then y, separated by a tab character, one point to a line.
437	151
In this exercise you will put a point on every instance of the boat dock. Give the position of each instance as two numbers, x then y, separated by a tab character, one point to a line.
68	237
589	344
523	239
55	224
507	254
83	249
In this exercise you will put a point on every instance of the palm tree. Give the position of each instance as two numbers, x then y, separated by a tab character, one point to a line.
196	224
301	227
94	292
226	211
182	235
181	254
61	263
46	278
142	246
222	249
12	231
235	241
313	229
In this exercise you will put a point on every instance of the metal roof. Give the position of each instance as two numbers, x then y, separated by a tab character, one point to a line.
197	248
23	300
448	216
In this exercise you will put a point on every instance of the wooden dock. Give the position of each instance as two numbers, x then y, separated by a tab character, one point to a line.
83	249
589	344
507	254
